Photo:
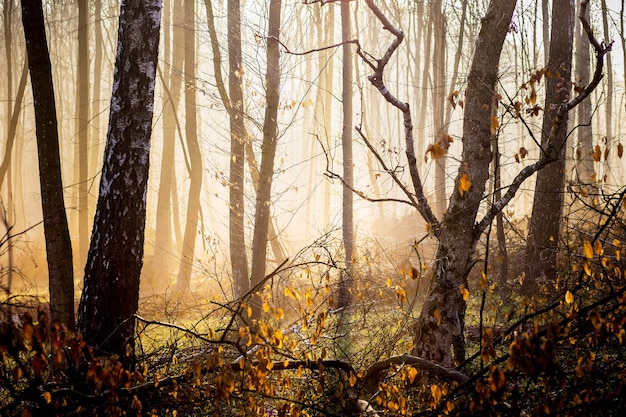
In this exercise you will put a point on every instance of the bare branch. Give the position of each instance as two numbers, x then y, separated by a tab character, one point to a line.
422	364
377	81
551	150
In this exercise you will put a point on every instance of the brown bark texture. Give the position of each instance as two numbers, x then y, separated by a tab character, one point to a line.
545	221
441	322
57	236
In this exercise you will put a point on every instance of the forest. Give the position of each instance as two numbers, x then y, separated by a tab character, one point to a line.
312	208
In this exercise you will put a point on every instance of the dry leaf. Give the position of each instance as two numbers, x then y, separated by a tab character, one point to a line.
464	184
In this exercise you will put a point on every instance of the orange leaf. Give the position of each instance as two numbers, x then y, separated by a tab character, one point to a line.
620	150
569	297
597	153
437	315
464	293
495	123
464	184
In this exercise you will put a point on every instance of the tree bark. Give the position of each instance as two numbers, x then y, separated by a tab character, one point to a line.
82	132
111	286
608	108
268	152
238	137
439	101
545	221
441	322
57	236
347	276
584	167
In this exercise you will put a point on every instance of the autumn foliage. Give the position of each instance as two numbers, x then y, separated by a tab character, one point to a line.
559	353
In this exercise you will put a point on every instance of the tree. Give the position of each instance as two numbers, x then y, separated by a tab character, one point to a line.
268	152
82	131
545	221
111	285
194	152
584	147
440	325
346	280
172	81
57	235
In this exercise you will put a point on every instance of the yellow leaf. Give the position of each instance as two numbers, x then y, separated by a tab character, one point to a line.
436	392
464	184
597	248
249	311
464	293
588	249
389	282
587	267
483	280
266	307
352	379
569	297
412	374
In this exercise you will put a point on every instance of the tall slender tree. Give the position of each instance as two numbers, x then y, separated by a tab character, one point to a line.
545	221
171	79
194	152
584	148
110	295
82	131
57	235
268	153
347	277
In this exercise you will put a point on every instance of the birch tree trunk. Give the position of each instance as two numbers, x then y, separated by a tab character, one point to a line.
56	231
111	288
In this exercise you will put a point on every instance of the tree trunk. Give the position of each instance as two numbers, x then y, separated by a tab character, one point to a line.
82	132
57	236
441	322
111	289
193	148
439	101
608	108
268	152
347	276
545	222
238	137
545	15
172	81
584	148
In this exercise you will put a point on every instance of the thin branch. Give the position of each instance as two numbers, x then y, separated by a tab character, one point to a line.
388	170
377	81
